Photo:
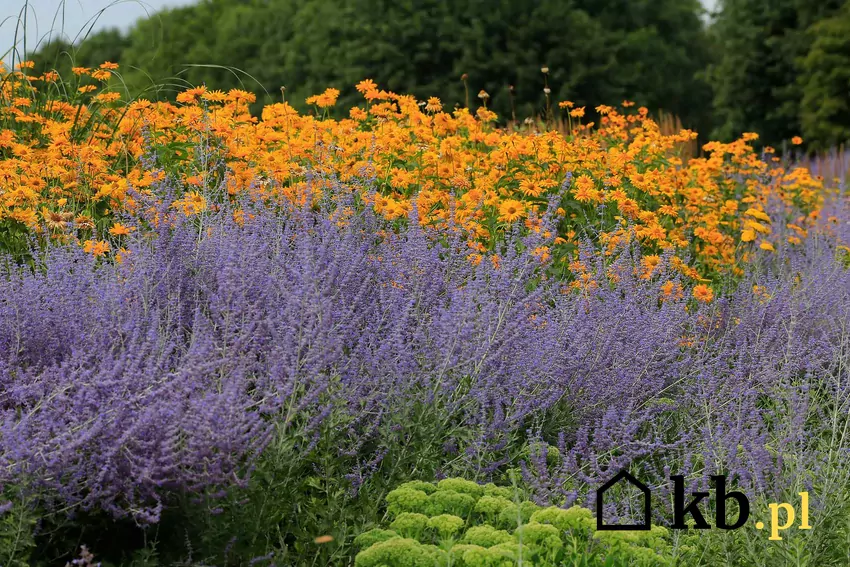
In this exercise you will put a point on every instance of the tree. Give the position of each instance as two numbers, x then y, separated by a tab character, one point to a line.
661	49
161	48
756	78
825	105
597	52
61	55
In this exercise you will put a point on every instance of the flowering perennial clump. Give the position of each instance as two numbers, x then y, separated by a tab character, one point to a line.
458	522
128	381
71	165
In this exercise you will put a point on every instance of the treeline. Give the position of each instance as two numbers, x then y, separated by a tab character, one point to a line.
779	68
782	68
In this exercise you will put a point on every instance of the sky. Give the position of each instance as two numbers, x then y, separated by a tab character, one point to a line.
47	15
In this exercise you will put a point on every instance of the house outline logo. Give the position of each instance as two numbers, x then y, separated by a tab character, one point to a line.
647	504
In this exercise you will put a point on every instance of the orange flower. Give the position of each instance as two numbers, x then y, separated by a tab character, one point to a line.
703	293
101	74
457	166
84	222
190	96
511	210
357	113
366	85
324	100
649	263
584	189
530	188
96	248
672	290
192	204
541	253
55	221
434	105
107	97
119	229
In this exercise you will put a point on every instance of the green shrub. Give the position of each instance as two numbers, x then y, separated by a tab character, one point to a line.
491	507
575	519
459	523
401	552
450	502
462	486
486	536
420	485
410	524
446	525
406	500
370	538
513	515
491	489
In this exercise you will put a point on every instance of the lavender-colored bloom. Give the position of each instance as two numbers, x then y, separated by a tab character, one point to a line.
123	384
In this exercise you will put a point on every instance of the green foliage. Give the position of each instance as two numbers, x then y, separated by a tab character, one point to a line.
491	489
410	524
161	48
649	51
17	522
450	502
503	555
446	525
370	538
419	485
61	55
537	537
758	78
517	514
15	240
403	552
825	545
825	104
492	506
776	69
575	519
486	536
460	486
406	500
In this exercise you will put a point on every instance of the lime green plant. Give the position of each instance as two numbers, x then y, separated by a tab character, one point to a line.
459	523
